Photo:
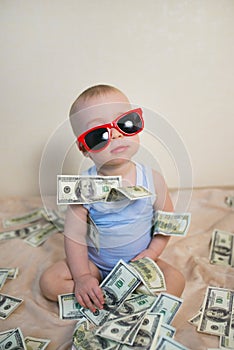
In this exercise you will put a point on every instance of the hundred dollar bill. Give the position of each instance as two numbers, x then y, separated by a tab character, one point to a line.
23	219
133	304
150	274
166	343
36	343
147	335
3	278
14	340
69	308
130	192
20	233
84	189
172	224
39	237
122	330
229	200
116	287
168	305
11	272
222	248
217	311
8	304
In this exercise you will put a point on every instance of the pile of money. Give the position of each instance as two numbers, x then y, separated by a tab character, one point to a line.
14	339
216	316
222	248
35	227
130	319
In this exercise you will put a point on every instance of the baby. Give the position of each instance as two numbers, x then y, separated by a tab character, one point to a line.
107	131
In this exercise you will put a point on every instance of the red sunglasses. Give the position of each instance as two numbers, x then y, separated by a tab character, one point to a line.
98	138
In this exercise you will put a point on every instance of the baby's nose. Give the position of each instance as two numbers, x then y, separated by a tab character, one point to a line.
115	133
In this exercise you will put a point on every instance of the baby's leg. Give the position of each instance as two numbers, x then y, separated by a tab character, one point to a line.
57	279
175	281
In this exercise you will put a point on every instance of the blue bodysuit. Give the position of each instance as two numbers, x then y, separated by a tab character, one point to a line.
124	226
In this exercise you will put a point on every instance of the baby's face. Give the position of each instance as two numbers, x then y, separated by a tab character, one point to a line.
102	110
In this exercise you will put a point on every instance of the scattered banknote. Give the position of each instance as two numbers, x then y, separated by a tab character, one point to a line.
39	237
82	189
167	343
23	219
69	308
217	311
222	248
151	276
3	278
20	233
117	286
173	224
12	339
8	304
168	305
129	192
36	343
229	200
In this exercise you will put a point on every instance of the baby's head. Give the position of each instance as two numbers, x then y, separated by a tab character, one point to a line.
98	106
97	100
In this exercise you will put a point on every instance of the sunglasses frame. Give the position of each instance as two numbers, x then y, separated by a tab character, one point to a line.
109	126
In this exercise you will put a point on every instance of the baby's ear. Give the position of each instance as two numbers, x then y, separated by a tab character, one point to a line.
82	149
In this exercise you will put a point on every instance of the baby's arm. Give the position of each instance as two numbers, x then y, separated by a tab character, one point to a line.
86	284
163	202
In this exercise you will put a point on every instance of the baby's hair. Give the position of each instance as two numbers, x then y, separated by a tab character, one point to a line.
90	92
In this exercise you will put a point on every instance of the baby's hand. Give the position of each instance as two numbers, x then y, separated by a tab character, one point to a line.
149	253
88	293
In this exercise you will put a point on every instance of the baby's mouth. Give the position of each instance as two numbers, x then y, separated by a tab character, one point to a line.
119	149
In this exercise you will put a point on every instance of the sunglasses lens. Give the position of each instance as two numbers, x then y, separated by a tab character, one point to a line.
131	123
97	139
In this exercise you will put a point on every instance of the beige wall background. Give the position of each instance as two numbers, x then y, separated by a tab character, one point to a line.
174	57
